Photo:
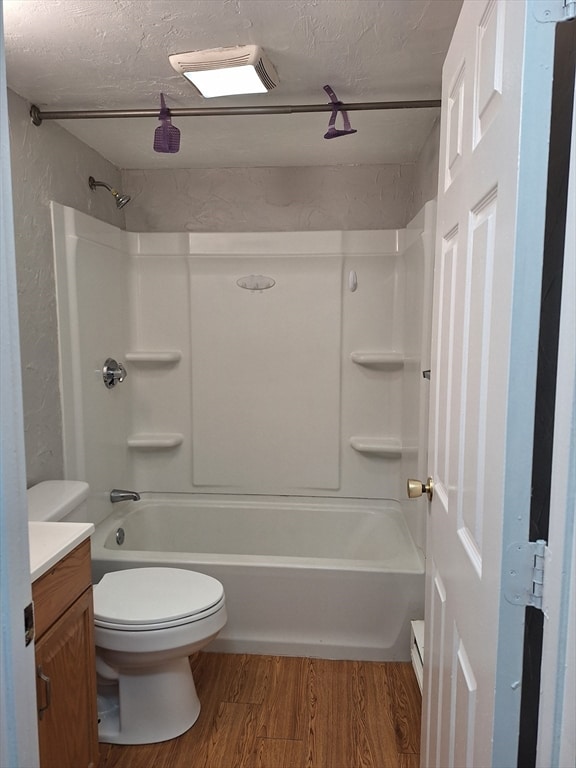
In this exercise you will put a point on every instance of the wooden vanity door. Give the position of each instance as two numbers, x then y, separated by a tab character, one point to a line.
66	695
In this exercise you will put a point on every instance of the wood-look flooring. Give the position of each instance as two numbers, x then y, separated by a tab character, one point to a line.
281	712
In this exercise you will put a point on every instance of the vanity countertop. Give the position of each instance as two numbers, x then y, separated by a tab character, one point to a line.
49	542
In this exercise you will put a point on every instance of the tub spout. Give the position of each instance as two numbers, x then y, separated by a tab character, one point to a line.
118	495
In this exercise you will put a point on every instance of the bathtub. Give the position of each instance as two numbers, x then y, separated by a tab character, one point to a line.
329	578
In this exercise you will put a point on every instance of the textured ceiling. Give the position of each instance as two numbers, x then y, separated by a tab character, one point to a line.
113	54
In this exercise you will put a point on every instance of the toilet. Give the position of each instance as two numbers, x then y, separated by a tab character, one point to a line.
147	621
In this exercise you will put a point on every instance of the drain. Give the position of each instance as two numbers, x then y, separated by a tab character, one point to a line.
120	536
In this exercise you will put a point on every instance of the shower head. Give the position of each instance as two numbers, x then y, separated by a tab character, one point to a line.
121	199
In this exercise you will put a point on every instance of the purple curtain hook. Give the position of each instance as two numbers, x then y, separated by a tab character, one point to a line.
164	113
332	131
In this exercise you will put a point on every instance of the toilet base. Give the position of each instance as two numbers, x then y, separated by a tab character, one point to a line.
157	704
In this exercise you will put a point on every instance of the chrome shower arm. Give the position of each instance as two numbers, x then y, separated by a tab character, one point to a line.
121	199
92	183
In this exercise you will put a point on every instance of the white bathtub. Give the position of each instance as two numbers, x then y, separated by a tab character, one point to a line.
331	578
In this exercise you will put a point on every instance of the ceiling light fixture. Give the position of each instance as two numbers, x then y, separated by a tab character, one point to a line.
227	71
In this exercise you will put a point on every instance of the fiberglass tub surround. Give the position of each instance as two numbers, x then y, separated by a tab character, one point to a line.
273	366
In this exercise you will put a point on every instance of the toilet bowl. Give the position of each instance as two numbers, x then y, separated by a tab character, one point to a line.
147	622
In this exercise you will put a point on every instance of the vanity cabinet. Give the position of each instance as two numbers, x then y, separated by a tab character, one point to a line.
65	663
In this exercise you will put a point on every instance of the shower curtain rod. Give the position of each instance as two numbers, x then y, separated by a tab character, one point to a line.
39	115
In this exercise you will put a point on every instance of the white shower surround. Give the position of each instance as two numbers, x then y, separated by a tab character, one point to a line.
331	405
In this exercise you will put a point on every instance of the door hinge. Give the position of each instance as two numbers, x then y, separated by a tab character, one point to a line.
29	623
523	575
555	11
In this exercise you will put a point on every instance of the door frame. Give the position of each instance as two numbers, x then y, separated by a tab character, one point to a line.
556	744
18	724
530	228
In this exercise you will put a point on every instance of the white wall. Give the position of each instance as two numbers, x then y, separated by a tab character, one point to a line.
270	199
425	181
48	163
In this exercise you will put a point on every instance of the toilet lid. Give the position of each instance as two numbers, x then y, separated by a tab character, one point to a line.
144	596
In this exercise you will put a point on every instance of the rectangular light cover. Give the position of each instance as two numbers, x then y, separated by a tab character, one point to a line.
227	81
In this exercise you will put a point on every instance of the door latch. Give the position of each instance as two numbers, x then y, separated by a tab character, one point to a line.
29	623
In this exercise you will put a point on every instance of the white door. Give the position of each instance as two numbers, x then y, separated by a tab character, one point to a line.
490	231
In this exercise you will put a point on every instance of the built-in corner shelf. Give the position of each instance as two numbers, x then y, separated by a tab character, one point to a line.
377	446
156	441
374	359
154	357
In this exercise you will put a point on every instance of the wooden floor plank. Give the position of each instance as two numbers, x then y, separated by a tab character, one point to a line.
232	742
347	724
277	712
409	761
279	753
405	704
249	681
114	756
354	741
284	704
213	673
321	713
377	722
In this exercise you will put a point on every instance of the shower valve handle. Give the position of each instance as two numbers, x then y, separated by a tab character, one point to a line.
113	373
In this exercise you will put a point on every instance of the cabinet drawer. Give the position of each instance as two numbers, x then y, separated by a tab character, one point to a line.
57	589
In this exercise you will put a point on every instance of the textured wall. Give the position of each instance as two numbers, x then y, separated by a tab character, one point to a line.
425	183
48	163
269	199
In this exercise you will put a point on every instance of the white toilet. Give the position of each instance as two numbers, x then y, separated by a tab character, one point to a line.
147	622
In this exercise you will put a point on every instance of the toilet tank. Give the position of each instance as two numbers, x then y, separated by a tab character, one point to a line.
54	500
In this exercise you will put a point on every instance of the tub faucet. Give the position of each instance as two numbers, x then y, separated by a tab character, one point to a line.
118	495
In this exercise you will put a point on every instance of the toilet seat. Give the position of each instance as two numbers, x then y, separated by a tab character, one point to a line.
140	599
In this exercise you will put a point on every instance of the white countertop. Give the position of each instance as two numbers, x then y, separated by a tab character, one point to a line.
49	542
